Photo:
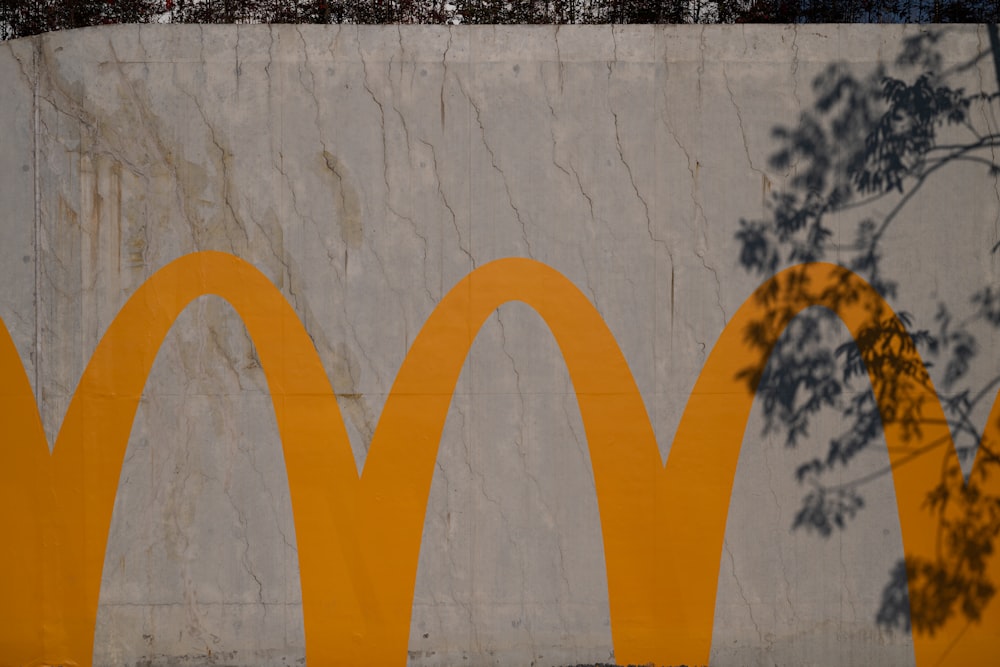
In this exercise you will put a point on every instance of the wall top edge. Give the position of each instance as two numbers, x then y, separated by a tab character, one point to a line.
148	43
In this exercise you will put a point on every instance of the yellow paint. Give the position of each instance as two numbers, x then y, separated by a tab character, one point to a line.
359	539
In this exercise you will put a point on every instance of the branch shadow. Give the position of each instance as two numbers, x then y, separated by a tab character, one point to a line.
870	142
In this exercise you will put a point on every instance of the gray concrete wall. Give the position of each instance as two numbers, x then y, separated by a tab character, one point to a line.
366	171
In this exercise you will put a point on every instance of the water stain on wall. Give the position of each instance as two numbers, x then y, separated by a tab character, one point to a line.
346	201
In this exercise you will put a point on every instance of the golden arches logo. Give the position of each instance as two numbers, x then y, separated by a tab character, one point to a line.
359	538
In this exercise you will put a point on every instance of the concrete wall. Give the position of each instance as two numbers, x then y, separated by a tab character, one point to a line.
365	171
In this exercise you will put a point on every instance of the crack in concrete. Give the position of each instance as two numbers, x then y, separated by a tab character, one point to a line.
552	129
715	274
474	638
631	176
560	64
795	68
225	156
777	504
695	202
586	277
701	63
447	205
409	152
496	167
743	596
444	75
328	157
148	122
385	163
579	184
739	120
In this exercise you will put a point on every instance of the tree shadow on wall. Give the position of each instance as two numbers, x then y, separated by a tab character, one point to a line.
871	142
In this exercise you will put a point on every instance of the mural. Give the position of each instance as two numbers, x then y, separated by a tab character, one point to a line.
359	536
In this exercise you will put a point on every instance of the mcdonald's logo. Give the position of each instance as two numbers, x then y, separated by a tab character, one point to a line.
359	537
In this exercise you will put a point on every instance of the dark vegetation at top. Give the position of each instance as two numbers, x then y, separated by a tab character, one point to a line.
21	18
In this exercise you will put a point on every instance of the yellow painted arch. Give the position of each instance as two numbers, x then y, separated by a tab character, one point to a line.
359	539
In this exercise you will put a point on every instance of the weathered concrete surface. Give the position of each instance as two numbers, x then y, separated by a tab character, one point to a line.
366	171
